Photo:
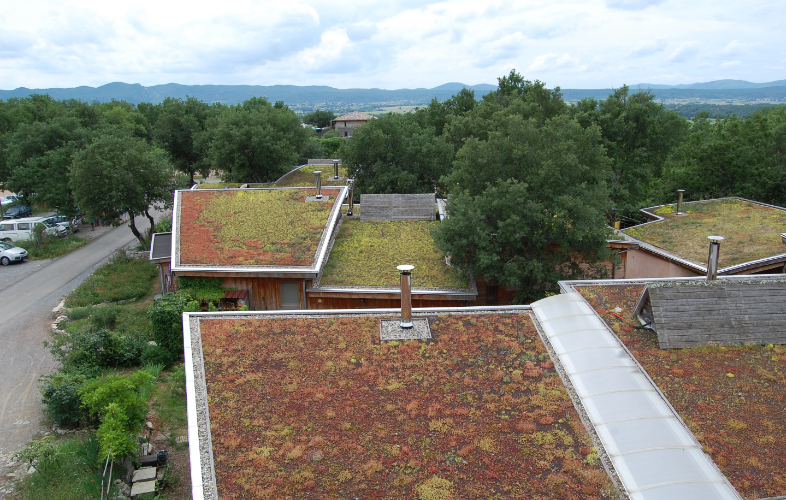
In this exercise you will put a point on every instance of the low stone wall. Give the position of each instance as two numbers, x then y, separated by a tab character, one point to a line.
135	254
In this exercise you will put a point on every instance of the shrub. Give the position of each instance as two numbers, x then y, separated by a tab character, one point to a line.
79	312
164	225
105	317
120	402
157	355
62	402
166	317
89	351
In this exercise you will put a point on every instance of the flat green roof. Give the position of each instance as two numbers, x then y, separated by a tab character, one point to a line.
751	231
365	254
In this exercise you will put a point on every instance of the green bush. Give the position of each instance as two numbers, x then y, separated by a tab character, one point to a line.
79	312
105	317
157	355
166	317
120	402
62	402
164	225
88	352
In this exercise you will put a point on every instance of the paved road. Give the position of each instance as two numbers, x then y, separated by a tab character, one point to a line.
25	320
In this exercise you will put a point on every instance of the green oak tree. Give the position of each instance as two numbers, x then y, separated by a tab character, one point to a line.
120	173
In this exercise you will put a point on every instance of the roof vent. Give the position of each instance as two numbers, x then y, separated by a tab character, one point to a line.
351	185
406	295
318	181
712	260
679	201
335	170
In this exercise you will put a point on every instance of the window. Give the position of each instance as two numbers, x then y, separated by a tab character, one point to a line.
290	295
492	292
6	227
23	226
346	134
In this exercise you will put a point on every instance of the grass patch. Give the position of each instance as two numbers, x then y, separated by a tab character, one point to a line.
304	177
71	471
367	253
119	279
752	231
170	401
51	247
253	228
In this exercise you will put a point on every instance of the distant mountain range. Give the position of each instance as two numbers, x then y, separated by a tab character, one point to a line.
715	85
310	97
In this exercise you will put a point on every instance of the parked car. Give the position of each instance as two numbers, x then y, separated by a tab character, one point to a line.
22	229
9	253
7	200
72	225
17	212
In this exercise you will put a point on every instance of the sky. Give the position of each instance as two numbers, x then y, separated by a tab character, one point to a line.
389	44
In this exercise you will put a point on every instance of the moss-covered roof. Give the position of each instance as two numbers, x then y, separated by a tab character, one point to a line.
751	231
305	176
251	227
366	254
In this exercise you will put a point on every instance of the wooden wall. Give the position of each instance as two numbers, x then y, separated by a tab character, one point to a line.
326	302
504	296
265	294
398	207
720	313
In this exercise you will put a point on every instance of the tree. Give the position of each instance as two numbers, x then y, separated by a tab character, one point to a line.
529	207
177	129
255	142
319	118
395	154
120	173
732	157
639	135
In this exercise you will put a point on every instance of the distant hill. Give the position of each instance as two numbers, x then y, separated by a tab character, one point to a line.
293	95
305	98
714	85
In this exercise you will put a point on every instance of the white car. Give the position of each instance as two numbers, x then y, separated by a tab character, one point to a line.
7	200
9	253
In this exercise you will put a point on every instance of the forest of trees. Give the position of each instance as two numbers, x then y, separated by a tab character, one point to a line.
531	179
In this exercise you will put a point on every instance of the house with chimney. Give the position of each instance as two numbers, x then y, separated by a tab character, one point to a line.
300	247
674	241
346	124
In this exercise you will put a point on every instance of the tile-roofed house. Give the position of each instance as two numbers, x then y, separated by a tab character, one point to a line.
676	245
346	124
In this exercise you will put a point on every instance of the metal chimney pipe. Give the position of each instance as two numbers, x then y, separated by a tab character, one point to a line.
335	170
712	260
351	184
406	295
679	201
318	182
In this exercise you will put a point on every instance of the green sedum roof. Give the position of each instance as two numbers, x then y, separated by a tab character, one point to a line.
751	231
365	254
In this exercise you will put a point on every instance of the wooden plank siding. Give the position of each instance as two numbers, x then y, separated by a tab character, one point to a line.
722	313
265	292
398	207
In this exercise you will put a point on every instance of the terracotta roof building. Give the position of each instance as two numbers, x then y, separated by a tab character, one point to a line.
347	123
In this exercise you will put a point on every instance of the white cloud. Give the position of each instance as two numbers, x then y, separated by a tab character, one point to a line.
632	4
648	47
555	61
684	52
730	64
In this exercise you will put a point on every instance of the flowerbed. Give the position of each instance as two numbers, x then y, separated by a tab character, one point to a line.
367	253
732	398
320	407
751	231
305	176
251	227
